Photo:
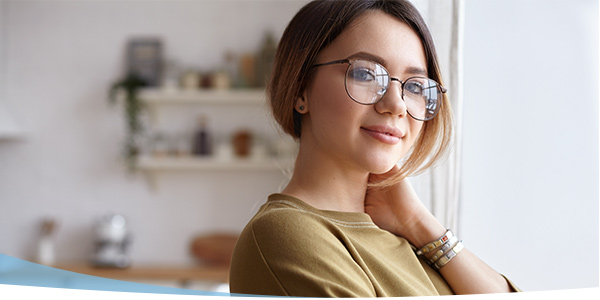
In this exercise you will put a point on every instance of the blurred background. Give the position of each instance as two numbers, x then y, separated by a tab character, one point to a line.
207	155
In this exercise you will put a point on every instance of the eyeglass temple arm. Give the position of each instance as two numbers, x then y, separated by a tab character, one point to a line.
442	89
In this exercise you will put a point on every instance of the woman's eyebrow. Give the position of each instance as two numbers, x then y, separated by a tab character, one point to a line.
416	71
368	56
380	60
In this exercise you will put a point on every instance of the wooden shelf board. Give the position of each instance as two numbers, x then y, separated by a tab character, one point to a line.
164	97
149	163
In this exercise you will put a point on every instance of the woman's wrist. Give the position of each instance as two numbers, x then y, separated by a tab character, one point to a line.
425	230
419	226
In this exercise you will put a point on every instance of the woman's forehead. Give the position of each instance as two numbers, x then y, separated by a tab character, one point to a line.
381	35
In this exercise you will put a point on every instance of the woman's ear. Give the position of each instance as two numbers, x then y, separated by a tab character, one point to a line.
301	105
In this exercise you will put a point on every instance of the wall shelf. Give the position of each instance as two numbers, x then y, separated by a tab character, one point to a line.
152	166
157	96
190	163
158	99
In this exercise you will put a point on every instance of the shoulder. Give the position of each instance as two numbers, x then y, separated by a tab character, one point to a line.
284	224
285	250
292	223
286	234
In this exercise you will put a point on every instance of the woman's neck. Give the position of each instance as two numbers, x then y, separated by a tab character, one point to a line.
327	184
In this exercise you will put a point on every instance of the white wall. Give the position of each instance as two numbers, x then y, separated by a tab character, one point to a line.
60	57
530	173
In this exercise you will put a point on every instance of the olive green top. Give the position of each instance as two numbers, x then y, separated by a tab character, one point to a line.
290	248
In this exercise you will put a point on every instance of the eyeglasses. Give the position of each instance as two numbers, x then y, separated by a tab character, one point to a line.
367	82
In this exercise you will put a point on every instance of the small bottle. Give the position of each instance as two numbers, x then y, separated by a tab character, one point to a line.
202	145
45	253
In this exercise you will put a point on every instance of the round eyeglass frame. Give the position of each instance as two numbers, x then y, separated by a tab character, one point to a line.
442	89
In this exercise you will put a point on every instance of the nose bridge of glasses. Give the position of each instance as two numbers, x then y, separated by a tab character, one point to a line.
396	79
400	82
394	100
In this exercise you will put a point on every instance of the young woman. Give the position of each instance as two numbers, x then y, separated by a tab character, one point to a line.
358	84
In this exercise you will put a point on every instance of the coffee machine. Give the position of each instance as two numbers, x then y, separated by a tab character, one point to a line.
112	241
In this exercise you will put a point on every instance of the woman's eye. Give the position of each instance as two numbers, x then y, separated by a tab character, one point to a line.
413	88
362	75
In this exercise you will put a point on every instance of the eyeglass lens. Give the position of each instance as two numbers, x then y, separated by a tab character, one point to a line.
367	82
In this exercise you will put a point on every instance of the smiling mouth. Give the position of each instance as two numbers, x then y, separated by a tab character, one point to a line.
379	132
383	135
385	129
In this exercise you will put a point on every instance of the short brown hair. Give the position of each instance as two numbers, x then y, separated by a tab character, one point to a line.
312	29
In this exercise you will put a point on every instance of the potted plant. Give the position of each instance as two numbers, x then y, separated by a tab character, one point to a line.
130	85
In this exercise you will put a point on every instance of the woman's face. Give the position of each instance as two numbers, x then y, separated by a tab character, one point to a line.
370	138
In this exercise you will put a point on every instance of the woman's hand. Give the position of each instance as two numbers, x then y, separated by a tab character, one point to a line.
399	210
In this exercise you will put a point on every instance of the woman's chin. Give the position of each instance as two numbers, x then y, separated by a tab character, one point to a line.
382	162
383	167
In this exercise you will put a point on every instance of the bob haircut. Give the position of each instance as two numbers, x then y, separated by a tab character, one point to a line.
312	29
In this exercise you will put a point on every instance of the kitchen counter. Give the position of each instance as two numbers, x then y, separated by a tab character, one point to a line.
181	274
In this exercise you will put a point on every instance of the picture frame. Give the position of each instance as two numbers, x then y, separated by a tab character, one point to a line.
145	59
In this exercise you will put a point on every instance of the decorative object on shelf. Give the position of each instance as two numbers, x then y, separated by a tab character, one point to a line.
112	243
242	143
133	108
45	251
202	139
264	59
190	80
160	145
170	77
206	80
221	80
224	150
248	70
144	58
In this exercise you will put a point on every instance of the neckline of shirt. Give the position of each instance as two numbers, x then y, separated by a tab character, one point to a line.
347	219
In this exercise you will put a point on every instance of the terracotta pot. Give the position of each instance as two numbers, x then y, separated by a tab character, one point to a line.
242	142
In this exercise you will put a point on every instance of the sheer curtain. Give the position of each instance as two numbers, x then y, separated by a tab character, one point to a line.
439	188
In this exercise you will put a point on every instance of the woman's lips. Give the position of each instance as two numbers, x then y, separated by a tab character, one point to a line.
385	134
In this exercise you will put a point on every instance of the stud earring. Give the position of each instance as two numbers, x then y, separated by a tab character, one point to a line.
301	107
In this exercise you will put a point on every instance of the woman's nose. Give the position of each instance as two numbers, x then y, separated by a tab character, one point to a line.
392	101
